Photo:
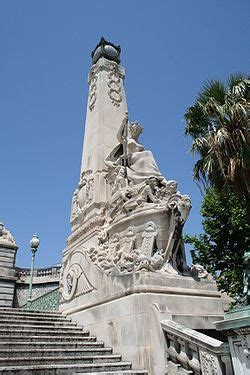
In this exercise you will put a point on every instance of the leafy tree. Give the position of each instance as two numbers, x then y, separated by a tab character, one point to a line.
221	247
217	122
218	125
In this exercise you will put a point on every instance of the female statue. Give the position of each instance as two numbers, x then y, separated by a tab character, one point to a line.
139	163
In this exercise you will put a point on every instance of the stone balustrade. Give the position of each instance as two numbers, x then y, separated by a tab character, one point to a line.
191	352
45	280
53	271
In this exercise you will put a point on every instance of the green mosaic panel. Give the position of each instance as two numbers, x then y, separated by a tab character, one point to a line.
48	301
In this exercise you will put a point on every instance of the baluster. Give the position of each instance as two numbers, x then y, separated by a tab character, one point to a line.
182	355
171	347
193	361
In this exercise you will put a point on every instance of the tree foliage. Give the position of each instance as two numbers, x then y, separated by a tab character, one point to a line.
221	247
217	123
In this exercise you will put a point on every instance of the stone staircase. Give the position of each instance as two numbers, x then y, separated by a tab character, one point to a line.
40	343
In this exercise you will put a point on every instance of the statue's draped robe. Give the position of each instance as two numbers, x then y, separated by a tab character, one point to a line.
142	164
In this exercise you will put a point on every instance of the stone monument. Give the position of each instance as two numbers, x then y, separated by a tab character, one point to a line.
8	249
124	268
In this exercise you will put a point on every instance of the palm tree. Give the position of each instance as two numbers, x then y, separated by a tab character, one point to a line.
217	122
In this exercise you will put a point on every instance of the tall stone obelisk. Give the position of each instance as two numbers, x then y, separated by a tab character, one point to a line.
106	109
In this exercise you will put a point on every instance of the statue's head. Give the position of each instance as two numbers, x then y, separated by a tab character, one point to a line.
135	129
152	181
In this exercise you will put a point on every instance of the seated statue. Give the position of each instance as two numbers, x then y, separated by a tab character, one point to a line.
138	162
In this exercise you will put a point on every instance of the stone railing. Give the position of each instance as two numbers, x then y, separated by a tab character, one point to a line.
53	271
191	352
46	302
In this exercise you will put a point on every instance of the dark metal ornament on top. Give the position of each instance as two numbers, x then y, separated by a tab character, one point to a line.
106	49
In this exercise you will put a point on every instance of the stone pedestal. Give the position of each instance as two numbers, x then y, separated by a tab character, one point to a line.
8	250
125	311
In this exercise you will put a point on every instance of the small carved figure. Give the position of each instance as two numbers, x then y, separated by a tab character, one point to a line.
199	271
69	280
5	235
82	195
90	190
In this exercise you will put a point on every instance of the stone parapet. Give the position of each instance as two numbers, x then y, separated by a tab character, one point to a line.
192	352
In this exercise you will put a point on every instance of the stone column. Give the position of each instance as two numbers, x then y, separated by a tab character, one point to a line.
8	249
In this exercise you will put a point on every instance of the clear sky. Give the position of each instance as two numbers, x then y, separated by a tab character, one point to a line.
169	48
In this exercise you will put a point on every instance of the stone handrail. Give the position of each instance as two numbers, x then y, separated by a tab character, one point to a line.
53	271
192	352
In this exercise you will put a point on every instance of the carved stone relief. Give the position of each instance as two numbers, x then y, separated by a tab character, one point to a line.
83	195
149	237
74	281
93	77
114	85
209	365
117	256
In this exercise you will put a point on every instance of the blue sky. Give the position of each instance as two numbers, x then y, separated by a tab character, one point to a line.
169	48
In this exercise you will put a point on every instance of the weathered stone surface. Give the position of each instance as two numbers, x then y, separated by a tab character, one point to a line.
124	268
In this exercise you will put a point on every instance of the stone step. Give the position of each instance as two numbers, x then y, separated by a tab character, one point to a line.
130	372
81	359
36	320
58	344
65	369
41	326
46	332
19	312
6	315
55	338
50	352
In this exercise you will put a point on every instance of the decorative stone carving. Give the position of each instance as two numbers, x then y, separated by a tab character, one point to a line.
83	195
209	364
149	237
6	237
74	281
136	187
90	191
93	77
93	224
74	206
200	272
114	84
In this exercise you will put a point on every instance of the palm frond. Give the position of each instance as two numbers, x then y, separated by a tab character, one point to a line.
212	89
217	122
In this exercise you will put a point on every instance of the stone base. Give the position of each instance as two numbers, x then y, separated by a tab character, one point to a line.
128	313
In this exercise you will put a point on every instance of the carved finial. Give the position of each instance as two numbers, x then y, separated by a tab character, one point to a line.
106	49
